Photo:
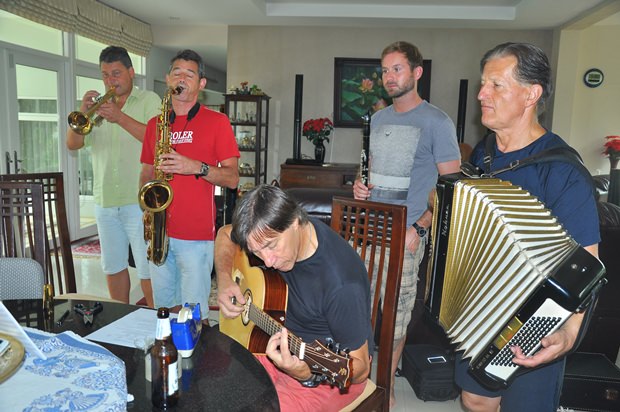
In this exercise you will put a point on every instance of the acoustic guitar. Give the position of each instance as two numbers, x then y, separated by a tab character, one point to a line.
265	291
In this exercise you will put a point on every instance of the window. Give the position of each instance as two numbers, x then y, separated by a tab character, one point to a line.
38	119
40	37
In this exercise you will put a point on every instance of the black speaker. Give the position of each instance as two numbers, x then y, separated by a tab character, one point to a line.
462	109
299	92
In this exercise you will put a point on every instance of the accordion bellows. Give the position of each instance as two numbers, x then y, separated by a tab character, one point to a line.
503	272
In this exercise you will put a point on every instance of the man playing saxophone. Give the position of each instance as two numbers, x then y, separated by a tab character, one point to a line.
115	149
203	153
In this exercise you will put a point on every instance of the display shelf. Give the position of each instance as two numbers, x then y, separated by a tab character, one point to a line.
249	118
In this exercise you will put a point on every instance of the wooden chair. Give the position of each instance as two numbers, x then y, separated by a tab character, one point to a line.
22	223
59	266
377	232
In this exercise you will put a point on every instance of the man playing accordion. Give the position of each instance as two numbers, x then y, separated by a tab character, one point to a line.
516	83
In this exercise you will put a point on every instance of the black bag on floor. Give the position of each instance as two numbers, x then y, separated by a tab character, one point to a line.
591	383
430	372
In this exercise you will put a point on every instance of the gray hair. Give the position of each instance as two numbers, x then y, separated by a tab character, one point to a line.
190	56
532	66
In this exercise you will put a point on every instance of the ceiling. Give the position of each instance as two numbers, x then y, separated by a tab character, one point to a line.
202	25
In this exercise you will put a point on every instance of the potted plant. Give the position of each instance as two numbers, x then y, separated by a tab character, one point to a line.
317	131
612	149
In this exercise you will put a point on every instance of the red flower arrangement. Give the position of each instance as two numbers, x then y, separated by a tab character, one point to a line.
317	130
612	146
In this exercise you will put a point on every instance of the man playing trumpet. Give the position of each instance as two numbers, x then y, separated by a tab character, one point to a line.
115	150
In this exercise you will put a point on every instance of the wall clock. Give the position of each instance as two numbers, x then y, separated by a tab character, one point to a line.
593	78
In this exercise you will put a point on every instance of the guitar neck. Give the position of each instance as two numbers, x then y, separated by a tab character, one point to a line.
271	327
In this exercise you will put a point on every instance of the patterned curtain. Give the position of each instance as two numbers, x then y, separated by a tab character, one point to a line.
87	18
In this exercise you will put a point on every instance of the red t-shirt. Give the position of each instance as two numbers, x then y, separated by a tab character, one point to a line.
207	137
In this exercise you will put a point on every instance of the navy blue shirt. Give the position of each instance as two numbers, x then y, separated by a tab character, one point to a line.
329	293
559	185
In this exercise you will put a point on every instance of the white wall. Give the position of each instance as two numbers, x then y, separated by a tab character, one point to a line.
271	56
583	116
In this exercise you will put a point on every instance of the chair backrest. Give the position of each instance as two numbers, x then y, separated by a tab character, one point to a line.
22	222
377	232
59	269
20	278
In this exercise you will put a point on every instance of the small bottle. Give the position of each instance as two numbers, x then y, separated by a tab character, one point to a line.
164	364
48	307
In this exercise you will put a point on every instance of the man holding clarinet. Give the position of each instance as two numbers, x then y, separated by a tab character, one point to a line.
411	142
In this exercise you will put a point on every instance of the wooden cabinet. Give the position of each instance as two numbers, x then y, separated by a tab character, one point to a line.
249	117
327	175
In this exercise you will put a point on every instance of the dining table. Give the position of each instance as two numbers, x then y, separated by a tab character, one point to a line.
220	375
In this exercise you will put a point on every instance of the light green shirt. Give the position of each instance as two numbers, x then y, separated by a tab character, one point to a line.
116	154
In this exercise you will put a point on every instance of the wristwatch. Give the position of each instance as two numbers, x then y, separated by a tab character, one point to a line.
204	170
421	230
314	381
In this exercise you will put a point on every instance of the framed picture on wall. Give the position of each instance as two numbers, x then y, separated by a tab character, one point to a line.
358	88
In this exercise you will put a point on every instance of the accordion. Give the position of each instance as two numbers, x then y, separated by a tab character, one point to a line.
502	272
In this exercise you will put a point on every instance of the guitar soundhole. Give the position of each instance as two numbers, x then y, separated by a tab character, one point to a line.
245	315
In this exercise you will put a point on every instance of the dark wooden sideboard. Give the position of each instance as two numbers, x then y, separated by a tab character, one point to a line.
326	176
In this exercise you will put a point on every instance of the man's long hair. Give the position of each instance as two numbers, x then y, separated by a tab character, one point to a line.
263	213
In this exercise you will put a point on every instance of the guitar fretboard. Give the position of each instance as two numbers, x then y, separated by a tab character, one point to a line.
271	327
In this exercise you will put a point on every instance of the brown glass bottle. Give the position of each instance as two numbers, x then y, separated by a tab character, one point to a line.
164	358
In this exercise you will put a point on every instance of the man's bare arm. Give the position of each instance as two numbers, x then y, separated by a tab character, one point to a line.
225	250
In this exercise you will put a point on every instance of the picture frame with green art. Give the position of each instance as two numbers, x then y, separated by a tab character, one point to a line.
358	88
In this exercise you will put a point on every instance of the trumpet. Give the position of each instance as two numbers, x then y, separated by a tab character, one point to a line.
82	123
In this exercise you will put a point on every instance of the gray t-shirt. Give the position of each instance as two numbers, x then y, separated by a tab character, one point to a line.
404	151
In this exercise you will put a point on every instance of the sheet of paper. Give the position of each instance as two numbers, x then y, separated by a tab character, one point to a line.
9	326
134	330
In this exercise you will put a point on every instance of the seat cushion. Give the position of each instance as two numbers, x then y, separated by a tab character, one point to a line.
20	278
368	390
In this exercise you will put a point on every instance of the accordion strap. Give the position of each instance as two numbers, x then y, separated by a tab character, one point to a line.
554	154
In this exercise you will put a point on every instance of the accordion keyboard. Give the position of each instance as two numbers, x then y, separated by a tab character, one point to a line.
546	320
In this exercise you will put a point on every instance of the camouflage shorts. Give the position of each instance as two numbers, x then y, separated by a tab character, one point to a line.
408	289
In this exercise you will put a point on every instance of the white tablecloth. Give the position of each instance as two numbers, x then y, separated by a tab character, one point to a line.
77	375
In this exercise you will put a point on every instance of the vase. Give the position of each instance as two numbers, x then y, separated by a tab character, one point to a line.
319	152
613	195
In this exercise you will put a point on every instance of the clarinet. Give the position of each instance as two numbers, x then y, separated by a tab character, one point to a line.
365	148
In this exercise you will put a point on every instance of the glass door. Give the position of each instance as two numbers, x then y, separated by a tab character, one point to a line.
34	141
38	149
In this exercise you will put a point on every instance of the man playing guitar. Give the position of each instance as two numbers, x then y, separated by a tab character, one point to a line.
328	294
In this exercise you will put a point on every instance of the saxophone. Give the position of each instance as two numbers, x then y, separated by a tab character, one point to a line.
156	195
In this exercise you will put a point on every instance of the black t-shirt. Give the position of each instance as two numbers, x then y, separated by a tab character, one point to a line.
329	293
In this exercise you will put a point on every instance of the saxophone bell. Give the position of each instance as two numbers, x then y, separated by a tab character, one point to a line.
155	195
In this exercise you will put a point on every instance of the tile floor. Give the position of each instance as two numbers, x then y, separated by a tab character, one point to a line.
90	280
